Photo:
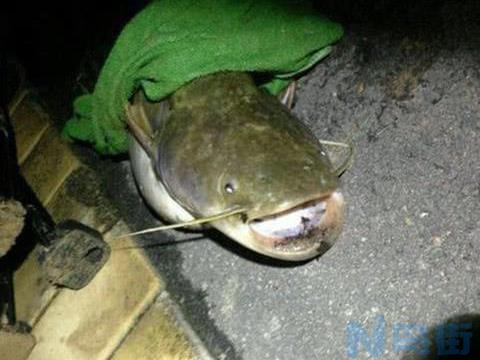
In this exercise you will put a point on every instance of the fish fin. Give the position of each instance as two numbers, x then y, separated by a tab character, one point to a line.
156	113
288	95
348	162
140	126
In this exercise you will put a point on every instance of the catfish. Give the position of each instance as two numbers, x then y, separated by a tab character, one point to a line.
220	145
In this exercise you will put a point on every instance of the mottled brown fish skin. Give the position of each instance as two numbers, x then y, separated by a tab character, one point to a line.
223	132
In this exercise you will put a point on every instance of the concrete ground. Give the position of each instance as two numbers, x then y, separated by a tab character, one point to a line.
408	92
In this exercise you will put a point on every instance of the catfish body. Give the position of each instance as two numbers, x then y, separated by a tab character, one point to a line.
220	143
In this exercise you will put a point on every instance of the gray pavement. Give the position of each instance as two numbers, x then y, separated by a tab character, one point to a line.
410	250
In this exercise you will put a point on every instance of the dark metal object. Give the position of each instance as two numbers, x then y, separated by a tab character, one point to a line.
7	301
8	167
76	257
72	252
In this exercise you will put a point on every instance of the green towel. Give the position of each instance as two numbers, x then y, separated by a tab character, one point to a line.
171	42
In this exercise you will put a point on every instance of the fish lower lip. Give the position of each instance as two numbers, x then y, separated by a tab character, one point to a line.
312	225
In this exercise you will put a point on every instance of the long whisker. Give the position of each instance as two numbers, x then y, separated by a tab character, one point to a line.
186	223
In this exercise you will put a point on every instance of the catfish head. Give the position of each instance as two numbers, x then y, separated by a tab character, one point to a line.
220	143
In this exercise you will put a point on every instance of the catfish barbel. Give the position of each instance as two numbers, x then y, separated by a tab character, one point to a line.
219	144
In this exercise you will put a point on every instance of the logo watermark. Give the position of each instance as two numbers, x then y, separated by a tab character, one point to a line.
448	339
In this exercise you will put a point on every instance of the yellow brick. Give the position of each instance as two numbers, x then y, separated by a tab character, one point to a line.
80	198
32	289
90	323
15	346
29	123
157	336
47	167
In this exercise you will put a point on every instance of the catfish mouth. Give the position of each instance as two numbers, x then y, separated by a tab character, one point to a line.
311	227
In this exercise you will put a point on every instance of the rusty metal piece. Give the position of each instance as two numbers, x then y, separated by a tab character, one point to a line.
76	256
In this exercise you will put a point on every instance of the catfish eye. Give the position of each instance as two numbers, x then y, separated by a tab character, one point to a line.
229	188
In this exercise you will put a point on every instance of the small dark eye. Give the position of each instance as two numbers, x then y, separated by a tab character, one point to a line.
229	188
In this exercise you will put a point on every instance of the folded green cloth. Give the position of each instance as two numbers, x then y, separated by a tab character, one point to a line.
171	42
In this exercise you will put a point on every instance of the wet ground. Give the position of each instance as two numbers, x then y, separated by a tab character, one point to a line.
406	88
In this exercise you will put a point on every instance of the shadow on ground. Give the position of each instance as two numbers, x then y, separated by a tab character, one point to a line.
457	338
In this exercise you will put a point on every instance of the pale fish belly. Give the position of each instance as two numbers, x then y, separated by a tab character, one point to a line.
153	190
